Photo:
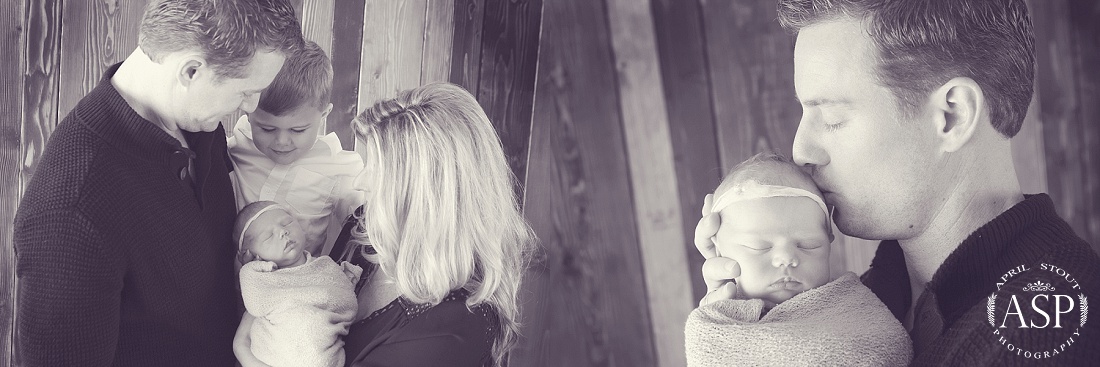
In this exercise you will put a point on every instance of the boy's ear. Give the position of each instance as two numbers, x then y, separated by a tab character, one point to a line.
324	120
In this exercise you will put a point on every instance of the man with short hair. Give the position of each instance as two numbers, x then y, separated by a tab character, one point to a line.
908	108
122	238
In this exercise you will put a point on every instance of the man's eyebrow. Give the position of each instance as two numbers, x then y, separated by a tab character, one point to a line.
816	102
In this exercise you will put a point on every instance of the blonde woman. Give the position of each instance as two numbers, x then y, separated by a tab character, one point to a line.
442	233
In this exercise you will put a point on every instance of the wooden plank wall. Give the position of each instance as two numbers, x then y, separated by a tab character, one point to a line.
585	300
11	93
1068	84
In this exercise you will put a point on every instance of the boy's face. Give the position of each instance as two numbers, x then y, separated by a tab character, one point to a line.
781	243
287	138
276	236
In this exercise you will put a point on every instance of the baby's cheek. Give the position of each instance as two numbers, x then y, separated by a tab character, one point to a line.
817	269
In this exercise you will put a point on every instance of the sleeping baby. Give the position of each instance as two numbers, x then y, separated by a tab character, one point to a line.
787	310
302	304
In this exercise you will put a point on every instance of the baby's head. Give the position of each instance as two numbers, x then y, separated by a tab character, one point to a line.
775	225
294	107
269	232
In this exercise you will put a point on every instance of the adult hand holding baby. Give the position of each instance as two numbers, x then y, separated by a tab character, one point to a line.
718	272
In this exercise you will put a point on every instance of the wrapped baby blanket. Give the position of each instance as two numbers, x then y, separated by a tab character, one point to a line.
301	312
838	324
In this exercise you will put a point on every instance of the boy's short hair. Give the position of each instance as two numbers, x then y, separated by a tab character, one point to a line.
306	79
227	33
767	168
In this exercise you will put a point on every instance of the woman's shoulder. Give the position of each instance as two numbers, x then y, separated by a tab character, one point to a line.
452	313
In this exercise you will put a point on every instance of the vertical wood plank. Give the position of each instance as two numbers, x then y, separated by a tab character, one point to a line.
751	63
1028	154
653	174
584	298
1068	88
11	105
679	33
40	51
439	31
97	34
393	46
509	58
466	60
347	45
317	18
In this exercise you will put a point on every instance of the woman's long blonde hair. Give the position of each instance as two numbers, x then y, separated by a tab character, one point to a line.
441	210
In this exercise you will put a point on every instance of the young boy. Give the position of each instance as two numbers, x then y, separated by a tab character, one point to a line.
301	305
787	311
278	154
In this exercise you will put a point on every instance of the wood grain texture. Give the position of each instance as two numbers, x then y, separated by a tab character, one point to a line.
393	46
584	299
679	33
97	34
1068	83
1028	153
11	106
347	46
438	38
317	18
653	174
509	58
751	62
466	60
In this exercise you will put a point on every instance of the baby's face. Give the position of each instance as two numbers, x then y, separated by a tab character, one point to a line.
781	243
277	236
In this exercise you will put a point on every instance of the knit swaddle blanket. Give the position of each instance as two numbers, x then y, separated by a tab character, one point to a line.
838	324
302	312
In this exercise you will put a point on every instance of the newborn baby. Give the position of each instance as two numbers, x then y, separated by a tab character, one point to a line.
303	305
787	311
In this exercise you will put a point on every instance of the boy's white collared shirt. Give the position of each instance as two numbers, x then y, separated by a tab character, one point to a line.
317	187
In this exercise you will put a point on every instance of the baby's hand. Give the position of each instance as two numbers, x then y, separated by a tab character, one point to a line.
244	256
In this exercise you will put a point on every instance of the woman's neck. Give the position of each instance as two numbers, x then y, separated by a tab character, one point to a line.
379	291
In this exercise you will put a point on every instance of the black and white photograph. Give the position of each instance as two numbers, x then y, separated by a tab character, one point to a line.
513	183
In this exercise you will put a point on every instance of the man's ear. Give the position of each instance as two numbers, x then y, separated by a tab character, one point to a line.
190	69
959	109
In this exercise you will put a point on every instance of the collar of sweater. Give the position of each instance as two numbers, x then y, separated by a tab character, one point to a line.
107	114
1021	235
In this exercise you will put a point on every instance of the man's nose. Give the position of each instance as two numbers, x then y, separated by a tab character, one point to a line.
248	104
806	150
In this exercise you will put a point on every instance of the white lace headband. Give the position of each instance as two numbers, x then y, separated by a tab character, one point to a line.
749	190
240	241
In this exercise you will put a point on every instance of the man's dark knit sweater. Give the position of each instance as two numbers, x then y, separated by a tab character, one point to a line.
951	323
121	259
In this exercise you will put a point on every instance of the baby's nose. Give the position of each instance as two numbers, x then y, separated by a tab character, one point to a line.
785	260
